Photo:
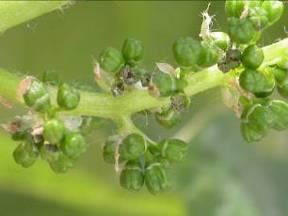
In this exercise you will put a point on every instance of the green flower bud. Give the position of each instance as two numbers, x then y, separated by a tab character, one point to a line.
54	131
167	118
255	122
279	112
132	177
165	83
37	97
260	83
73	145
156	179
132	147
259	18
67	97
274	10
283	88
280	74
25	154
174	150
234	8
242	31
111	60
208	55
186	51
221	40
50	77
109	150
252	57
132	51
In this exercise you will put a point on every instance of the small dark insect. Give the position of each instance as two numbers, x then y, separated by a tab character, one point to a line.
230	61
118	88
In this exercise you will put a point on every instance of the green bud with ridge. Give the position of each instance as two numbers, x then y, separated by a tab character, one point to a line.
132	51
279	113
67	97
111	60
234	8
25	154
132	177
242	31
73	145
252	57
132	147
165	83
220	40
174	150
109	150
156	179
37	96
54	131
280	74
260	83
186	51
208	56
274	10
167	118
259	18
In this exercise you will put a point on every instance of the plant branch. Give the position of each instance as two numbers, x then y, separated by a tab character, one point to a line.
13	13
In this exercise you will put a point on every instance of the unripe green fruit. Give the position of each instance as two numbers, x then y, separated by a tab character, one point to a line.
274	10
73	145
37	97
279	112
260	83
221	40
25	154
259	18
132	177
234	8
165	83
280	74
186	51
208	56
156	179
111	60
174	150
132	147
252	57
132	51
255	122
54	131
167	118
67	97
242	31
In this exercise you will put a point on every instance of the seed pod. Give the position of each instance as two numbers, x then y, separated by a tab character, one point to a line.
165	83
260	83
132	177
234	8
54	131
37	97
252	57
167	118
73	145
111	60
274	10
67	97
208	55
174	150
279	112
25	154
221	40
186	51
255	122
259	18
156	179
132	51
132	147
242	31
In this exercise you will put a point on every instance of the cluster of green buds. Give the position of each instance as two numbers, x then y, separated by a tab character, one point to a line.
143	162
43	133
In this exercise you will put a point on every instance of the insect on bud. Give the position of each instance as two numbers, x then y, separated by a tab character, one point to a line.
54	131
132	147
73	145
67	97
111	60
132	51
132	177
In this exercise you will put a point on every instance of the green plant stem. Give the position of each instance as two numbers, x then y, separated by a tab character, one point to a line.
107	106
13	13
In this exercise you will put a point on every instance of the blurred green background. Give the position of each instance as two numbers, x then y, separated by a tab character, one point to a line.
222	175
